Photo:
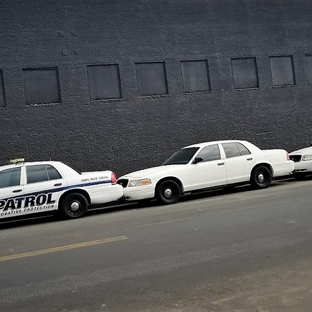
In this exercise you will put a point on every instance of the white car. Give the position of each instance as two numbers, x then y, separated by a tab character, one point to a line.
207	165
34	187
303	161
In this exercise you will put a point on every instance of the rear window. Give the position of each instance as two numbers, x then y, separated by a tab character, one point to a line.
231	150
41	173
36	174
235	149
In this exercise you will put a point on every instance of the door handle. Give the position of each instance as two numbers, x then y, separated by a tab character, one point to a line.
58	184
16	191
249	158
220	164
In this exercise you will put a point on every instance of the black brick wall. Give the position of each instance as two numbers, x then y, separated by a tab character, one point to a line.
135	132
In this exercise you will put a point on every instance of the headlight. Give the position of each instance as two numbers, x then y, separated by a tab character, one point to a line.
140	182
307	157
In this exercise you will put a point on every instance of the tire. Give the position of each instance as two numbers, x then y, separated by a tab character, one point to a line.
74	206
261	177
168	192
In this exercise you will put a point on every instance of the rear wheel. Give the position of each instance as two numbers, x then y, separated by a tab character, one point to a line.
261	177
74	206
168	192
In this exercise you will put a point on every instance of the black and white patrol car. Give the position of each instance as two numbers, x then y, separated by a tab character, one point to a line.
33	187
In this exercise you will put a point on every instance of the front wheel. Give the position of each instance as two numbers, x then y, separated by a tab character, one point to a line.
261	177
168	192
74	206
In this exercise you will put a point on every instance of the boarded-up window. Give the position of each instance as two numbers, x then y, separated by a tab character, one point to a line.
151	78
309	68
245	73
42	86
2	90
104	82
195	76
282	70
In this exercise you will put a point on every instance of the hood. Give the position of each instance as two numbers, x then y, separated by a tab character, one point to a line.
303	151
150	172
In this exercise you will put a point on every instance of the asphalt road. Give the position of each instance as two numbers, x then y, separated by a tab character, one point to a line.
239	250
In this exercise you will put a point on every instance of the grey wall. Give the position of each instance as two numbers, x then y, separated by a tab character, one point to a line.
59	42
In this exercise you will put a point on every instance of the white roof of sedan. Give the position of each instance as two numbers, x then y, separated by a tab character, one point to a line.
28	163
215	142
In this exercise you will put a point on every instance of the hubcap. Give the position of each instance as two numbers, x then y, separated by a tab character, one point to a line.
74	206
168	193
261	178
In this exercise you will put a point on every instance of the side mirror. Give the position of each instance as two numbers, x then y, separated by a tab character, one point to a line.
197	160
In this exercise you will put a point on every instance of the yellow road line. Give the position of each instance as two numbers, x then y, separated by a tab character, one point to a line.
61	248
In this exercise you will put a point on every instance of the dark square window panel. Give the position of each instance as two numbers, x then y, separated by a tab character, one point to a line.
151	78
195	76
309	68
282	71
42	86
104	82
245	73
2	90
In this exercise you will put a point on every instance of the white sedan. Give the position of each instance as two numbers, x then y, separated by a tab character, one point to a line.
34	187
303	161
207	165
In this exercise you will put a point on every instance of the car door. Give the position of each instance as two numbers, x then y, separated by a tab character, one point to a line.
210	171
238	162
10	188
43	187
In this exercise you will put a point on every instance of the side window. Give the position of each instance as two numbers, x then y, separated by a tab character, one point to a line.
10	177
210	153
37	173
242	149
231	150
53	174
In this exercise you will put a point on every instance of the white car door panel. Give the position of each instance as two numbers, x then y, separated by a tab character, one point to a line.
44	186
210	171
11	191
239	162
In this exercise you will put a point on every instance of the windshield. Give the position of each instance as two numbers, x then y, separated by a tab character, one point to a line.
181	157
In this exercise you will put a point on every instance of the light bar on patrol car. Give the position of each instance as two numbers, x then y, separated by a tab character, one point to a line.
17	160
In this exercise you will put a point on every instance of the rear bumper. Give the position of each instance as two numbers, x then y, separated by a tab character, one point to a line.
284	168
105	194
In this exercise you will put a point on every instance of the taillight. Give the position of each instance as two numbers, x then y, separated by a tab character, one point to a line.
287	155
113	178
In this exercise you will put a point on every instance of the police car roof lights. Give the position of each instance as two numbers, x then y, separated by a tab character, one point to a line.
17	161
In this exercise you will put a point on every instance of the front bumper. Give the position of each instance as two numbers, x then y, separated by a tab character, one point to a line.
303	166
138	193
